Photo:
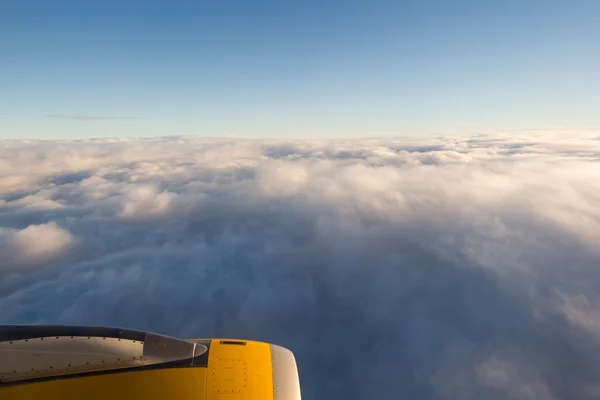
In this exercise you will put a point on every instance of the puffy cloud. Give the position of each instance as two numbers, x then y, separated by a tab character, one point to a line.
145	201
430	268
34	246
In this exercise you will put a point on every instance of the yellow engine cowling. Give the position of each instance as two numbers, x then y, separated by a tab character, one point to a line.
84	364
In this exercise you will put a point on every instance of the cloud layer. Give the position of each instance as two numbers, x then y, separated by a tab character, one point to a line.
429	268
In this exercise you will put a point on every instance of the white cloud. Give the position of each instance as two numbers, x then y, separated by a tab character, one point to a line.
437	267
33	246
146	201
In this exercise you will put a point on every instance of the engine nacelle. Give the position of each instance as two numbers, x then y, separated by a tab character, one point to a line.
67	362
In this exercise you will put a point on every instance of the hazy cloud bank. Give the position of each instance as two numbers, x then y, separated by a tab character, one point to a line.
87	117
420	268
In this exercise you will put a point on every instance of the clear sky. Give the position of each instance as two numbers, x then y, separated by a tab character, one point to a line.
254	68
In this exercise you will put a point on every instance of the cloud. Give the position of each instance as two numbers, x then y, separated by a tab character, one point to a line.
429	268
86	117
34	246
145	201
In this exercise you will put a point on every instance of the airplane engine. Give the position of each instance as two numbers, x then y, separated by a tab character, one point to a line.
68	362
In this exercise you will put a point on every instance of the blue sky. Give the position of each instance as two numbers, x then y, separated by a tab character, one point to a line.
72	69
